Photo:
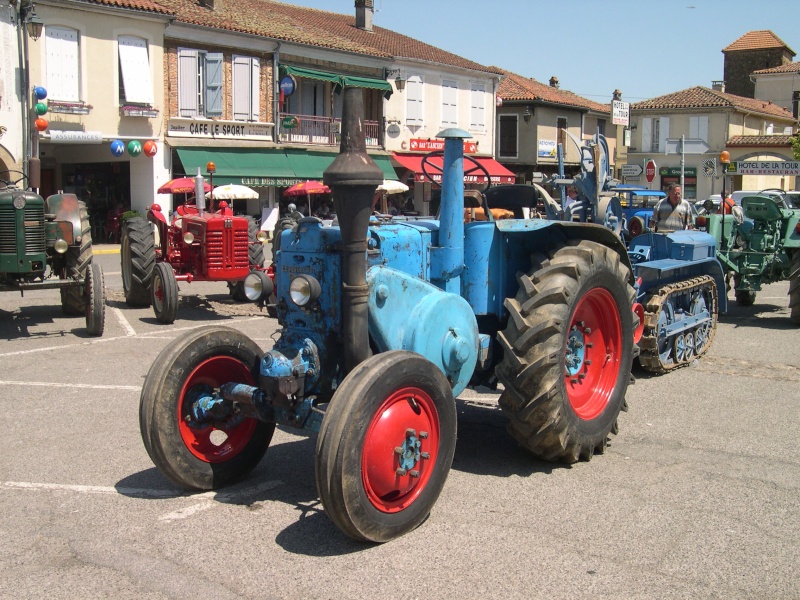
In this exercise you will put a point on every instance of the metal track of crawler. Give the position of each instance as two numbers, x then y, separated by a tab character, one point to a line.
649	357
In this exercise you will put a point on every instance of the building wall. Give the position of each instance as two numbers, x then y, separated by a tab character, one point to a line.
740	63
10	100
777	88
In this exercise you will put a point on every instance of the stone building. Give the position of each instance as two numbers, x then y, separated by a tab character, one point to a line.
754	51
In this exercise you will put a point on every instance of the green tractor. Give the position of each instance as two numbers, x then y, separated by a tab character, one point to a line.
759	246
47	244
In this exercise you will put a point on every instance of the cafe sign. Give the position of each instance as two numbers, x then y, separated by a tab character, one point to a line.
426	145
218	129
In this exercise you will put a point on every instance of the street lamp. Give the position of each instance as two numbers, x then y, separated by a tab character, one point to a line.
527	114
399	80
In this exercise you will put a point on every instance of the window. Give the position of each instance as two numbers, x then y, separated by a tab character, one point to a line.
477	103
508	136
414	89
246	86
62	52
199	83
449	103
698	128
136	85
601	126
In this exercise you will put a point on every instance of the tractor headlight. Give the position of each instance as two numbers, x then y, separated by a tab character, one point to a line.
61	246
257	286
304	289
261	236
188	238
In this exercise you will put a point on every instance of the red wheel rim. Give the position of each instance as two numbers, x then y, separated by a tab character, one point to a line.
158	288
407	409
215	444
591	382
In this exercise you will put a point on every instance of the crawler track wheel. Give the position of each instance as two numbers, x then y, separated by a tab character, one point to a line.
210	454
568	349
794	288
137	261
78	258
386	446
95	300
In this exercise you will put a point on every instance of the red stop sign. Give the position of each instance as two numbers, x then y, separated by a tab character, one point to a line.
650	171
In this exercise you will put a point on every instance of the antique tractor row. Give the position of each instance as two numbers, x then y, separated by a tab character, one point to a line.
198	245
47	244
383	325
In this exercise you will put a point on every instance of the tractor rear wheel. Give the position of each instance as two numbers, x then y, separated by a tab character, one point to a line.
386	446
138	259
568	349
165	293
95	300
192	454
794	288
78	258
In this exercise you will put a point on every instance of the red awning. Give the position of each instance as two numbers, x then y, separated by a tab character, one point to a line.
498	173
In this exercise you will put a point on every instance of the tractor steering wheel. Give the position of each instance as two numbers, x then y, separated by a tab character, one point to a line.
9	182
429	169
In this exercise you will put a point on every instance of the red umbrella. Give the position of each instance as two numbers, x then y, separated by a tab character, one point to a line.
182	185
306	188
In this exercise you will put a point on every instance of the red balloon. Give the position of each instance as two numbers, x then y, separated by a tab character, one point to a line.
150	148
41	124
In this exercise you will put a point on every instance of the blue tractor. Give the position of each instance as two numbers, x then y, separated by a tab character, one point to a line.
383	324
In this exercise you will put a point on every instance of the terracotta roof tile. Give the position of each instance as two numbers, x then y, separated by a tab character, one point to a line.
517	87
145	5
757	40
787	68
781	141
703	97
313	27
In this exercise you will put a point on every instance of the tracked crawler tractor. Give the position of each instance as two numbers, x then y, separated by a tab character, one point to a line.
383	325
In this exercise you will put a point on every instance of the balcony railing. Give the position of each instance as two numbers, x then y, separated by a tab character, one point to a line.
323	131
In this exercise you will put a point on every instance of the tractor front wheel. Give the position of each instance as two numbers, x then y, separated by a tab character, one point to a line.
386	446
568	349
138	259
794	288
210	454
95	300
78	258
165	293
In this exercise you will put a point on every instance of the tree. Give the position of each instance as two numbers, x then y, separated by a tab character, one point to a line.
796	146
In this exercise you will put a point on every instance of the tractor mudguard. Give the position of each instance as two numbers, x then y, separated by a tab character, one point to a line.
407	313
66	208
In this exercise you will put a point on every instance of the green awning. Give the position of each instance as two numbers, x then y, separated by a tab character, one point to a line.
259	167
339	81
310	74
368	82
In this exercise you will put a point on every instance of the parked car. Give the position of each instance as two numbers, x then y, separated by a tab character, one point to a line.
792	198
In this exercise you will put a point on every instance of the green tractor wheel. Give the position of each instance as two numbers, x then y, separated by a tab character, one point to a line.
78	258
794	288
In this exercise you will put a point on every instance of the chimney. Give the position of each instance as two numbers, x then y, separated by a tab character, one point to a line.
364	11
718	86
215	5
554	81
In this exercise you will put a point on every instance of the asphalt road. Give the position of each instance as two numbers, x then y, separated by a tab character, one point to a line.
695	498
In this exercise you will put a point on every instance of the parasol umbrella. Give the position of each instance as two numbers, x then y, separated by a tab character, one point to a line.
232	191
182	185
307	188
392	186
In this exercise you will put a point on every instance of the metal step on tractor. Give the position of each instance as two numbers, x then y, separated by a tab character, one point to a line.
47	244
198	245
383	324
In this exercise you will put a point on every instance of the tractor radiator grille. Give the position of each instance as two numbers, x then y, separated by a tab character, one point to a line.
227	249
31	227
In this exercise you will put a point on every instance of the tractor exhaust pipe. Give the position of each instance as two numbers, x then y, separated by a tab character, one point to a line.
353	178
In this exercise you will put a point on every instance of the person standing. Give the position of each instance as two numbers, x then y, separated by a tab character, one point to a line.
572	196
672	213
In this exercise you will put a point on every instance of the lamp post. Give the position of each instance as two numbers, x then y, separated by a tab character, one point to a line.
28	25
724	160
211	168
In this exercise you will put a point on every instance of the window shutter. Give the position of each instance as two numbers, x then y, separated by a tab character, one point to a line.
187	83
414	88
477	107
449	103
135	66
213	84
663	133
241	88
63	64
255	89
647	135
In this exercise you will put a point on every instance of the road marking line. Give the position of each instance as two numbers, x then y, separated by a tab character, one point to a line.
91	489
187	512
124	322
132	388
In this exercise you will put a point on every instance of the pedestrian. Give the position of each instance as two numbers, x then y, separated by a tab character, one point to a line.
572	196
672	213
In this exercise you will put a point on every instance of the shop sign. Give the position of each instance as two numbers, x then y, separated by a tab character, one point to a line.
620	112
676	172
426	145
547	149
224	130
291	122
763	167
287	85
61	136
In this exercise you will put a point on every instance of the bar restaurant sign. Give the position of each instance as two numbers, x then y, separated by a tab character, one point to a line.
763	167
428	145
218	130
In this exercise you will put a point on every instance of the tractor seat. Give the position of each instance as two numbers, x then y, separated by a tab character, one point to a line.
761	208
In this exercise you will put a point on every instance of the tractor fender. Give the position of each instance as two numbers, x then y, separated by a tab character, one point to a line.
407	313
66	209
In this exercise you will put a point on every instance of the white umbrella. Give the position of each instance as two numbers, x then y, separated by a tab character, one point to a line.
392	186
232	192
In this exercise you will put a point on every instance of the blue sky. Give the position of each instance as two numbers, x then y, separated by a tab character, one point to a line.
645	48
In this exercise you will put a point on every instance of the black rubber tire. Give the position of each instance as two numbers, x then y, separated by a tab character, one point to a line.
138	259
745	297
162	407
533	369
77	260
165	293
794	288
255	251
95	300
341	445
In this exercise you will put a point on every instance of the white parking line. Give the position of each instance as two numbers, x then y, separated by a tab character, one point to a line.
124	322
132	388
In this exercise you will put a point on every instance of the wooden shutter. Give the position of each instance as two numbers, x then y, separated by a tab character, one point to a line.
477	118
212	72
414	90
63	64
647	135
663	133
188	98
449	103
135	66
245	88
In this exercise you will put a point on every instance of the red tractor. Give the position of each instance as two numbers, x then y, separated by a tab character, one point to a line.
198	245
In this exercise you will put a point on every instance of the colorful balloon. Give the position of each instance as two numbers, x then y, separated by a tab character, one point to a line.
150	148
134	147
117	148
41	124
40	92
41	108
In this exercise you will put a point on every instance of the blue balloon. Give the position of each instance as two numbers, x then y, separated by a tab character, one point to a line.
117	147
40	92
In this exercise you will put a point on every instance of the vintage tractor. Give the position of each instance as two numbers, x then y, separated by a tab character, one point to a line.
198	245
47	244
763	248
384	323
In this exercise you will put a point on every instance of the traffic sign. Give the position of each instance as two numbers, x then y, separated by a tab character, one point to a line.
690	146
650	171
631	170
